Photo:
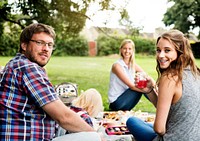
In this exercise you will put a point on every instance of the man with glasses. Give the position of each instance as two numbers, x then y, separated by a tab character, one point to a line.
29	105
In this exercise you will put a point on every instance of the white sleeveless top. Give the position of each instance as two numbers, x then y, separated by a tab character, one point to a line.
116	86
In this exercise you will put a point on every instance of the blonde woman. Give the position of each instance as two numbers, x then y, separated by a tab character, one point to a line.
123	93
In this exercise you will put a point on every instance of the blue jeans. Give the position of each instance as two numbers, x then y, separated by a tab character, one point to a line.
126	101
142	131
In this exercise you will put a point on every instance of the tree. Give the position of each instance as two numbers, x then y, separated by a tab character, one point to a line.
183	15
66	16
128	24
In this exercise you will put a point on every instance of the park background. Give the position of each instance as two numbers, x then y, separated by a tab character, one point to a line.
93	72
84	55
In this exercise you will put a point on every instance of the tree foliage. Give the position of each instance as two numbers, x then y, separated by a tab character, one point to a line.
183	15
66	16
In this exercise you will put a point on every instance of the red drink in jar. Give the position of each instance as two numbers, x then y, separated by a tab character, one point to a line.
142	83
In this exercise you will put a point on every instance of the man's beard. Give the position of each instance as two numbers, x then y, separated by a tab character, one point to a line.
32	58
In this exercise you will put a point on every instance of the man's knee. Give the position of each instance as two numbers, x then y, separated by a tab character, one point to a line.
83	136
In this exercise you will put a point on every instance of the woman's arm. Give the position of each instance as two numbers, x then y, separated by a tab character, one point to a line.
166	91
151	81
117	69
153	96
138	68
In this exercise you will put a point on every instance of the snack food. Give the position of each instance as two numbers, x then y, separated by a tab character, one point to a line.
117	130
112	116
150	119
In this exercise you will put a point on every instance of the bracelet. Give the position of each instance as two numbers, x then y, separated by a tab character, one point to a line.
150	91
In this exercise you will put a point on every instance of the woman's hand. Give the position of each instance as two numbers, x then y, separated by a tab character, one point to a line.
144	82
151	84
150	90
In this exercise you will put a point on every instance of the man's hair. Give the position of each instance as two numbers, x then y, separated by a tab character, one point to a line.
34	28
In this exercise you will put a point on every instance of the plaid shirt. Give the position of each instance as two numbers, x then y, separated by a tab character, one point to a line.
83	114
24	89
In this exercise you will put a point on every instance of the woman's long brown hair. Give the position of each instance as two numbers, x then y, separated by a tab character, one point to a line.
185	57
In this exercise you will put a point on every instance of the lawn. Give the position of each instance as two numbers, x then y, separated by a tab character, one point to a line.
93	72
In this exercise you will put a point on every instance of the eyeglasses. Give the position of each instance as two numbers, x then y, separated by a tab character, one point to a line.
43	43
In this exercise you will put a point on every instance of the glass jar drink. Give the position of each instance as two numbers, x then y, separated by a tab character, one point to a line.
141	81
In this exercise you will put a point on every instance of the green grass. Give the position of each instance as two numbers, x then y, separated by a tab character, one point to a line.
93	72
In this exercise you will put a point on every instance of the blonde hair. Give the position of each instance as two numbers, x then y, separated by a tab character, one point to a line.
132	58
91	101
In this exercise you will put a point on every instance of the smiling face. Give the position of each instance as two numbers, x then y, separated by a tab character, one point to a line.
127	51
38	54
165	53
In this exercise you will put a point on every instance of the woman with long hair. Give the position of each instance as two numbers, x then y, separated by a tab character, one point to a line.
178	108
123	93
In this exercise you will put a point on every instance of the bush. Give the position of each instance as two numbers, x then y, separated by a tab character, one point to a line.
107	45
9	44
76	46
143	45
